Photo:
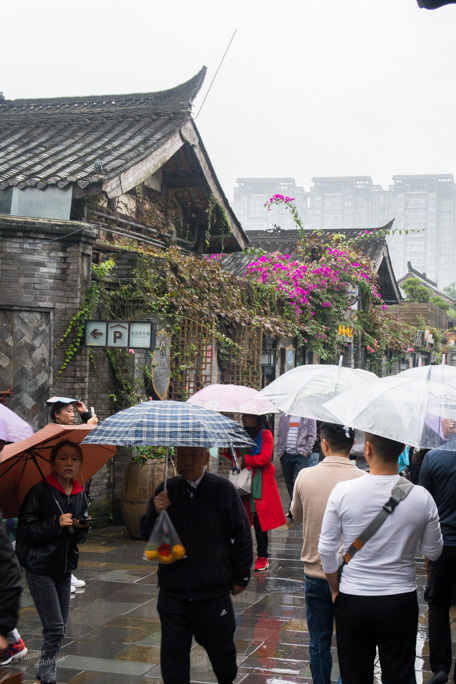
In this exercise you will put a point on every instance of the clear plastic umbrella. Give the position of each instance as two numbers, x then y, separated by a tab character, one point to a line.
404	407
302	391
440	372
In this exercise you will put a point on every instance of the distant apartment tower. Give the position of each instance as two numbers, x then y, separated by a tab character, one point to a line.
250	194
424	202
346	202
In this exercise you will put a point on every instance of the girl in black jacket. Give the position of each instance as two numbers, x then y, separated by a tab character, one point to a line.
49	529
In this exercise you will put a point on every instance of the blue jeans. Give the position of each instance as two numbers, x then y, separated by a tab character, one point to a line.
320	620
291	465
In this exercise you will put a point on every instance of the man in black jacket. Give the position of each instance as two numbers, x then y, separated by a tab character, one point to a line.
438	475
194	598
10	590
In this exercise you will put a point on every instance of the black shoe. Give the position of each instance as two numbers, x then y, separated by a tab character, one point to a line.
440	677
290	515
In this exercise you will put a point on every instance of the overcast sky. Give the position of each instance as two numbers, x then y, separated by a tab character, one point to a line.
308	88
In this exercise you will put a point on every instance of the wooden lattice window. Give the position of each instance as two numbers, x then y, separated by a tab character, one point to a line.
195	360
244	366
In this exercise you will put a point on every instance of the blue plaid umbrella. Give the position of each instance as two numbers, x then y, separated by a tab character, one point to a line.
169	423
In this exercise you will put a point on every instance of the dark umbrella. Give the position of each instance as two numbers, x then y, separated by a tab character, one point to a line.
169	423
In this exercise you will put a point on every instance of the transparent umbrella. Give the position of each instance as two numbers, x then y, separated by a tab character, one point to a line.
302	391
440	372
404	407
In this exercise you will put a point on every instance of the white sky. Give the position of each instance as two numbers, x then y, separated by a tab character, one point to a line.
309	88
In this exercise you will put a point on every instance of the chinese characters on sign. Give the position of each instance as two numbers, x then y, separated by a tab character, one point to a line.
345	331
120	334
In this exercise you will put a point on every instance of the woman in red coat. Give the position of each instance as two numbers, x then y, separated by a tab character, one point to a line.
264	506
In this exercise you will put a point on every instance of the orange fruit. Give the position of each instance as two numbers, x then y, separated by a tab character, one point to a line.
151	553
178	551
165	559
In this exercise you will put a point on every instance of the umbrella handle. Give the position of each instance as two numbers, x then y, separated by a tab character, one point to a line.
166	471
235	458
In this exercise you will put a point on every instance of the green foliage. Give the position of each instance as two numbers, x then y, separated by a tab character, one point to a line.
148	453
441	303
451	290
416	292
75	329
216	216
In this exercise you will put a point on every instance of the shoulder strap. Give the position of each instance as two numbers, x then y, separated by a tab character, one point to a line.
400	490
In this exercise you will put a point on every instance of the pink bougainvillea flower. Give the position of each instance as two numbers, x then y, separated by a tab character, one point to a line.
370	350
131	351
410	349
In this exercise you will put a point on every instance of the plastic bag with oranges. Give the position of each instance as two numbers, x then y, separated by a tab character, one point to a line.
164	544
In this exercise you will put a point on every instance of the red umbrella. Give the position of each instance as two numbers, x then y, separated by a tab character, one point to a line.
24	463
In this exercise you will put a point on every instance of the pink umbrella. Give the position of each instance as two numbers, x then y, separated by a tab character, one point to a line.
13	428
233	399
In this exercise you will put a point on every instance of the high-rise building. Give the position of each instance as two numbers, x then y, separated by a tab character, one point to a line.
425	212
346	202
250	195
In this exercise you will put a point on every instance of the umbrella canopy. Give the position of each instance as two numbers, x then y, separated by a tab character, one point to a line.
19	462
13	428
302	391
440	373
403	407
169	423
233	399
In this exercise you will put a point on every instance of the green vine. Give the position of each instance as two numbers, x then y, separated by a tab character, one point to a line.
77	323
216	216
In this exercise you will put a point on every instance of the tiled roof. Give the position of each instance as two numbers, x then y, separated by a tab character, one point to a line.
84	140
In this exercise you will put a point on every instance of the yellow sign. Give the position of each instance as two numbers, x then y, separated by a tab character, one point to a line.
345	331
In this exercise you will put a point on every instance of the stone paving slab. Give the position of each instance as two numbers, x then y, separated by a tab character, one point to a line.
113	633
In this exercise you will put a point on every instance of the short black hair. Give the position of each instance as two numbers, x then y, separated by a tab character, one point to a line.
65	442
57	407
387	450
339	438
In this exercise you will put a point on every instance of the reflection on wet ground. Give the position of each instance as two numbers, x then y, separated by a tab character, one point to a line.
113	633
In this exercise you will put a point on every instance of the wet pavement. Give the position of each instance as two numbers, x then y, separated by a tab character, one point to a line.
113	632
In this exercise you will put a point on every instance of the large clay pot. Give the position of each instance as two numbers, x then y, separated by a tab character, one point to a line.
138	485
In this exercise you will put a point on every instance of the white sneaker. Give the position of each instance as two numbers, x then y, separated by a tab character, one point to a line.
78	584
73	589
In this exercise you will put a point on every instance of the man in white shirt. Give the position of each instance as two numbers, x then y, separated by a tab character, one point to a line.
375	603
312	489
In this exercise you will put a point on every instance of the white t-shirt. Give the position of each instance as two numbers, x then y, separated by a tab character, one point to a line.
386	564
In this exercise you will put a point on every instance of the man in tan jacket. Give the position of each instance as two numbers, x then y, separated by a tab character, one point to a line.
312	489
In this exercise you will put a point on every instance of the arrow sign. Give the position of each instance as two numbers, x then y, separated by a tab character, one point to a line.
96	333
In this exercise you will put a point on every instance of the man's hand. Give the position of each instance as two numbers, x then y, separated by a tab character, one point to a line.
333	581
3	643
161	502
66	520
237	589
93	420
81	526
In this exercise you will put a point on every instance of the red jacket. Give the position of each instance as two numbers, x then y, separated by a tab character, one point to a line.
269	507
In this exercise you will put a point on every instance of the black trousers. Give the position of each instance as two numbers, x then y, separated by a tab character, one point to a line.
365	622
442	576
212	624
261	538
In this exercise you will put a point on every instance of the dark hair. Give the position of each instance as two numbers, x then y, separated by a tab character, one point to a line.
65	442
339	438
386	450
56	408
